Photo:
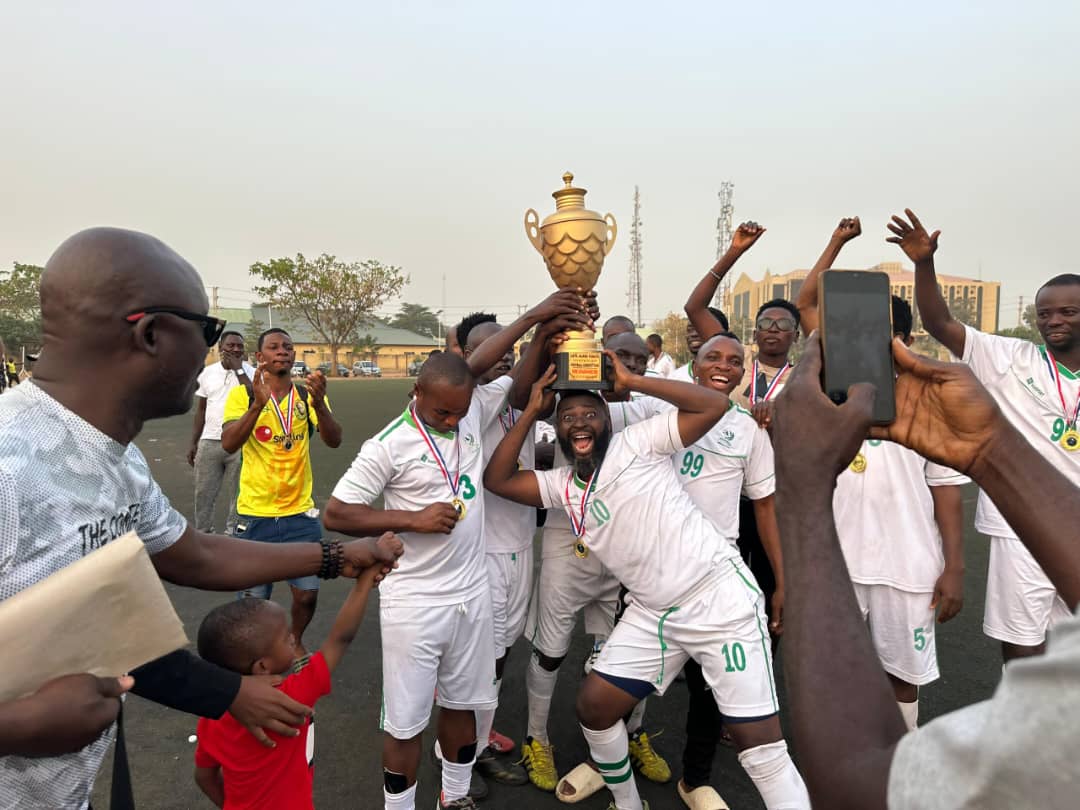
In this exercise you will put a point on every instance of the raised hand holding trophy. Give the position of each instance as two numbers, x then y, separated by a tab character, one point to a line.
574	242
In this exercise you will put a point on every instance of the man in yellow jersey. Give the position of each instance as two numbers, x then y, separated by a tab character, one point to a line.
274	425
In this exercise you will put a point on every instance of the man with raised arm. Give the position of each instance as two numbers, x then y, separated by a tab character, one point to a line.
850	736
436	613
734	460
900	522
1038	390
692	597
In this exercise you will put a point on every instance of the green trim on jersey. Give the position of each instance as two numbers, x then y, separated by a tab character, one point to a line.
580	484
400	421
1065	372
408	418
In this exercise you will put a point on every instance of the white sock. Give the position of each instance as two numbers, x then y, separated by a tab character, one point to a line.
484	720
775	777
400	801
610	751
455	779
910	711
637	717
540	684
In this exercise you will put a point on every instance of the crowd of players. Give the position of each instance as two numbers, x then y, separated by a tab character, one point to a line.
691	547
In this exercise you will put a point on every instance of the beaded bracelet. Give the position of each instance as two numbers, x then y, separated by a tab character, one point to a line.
333	560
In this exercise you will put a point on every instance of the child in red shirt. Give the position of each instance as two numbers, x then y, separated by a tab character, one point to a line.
252	637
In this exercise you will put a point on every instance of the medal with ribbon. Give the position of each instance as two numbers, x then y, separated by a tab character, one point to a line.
1070	437
771	387
508	421
577	521
454	481
286	424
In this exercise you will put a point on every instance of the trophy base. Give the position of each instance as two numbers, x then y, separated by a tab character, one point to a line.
587	370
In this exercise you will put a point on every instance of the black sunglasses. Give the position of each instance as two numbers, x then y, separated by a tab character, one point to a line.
783	324
211	327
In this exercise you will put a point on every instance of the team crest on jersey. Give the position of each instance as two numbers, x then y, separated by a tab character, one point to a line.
470	440
300	409
726	437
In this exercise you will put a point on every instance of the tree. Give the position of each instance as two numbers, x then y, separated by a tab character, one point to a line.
417	318
672	329
1028	330
20	306
336	298
963	310
367	347
252	330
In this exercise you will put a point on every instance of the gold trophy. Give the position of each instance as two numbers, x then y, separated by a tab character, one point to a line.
574	242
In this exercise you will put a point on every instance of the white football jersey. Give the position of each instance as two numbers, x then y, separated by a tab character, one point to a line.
683	373
885	517
508	526
640	521
436	569
1017	374
734	458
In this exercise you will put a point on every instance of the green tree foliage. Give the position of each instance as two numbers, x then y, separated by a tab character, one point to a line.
252	330
20	307
336	298
1027	330
368	348
672	329
417	318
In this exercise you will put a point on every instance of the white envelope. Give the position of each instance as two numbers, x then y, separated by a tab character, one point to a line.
105	614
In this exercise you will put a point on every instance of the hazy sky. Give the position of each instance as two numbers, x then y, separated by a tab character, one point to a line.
418	134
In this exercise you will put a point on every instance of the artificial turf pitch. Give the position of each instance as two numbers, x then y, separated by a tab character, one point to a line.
347	762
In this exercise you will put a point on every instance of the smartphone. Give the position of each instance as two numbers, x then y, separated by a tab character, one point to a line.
856	337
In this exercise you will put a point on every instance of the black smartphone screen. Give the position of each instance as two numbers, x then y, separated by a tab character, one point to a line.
856	335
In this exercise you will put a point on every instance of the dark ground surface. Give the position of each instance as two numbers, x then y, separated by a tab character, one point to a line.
348	772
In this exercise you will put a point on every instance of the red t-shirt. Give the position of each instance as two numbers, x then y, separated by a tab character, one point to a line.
259	778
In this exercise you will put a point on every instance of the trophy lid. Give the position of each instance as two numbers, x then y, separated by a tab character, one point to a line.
570	203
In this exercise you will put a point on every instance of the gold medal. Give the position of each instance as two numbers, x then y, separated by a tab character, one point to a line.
1070	440
459	507
581	551
858	464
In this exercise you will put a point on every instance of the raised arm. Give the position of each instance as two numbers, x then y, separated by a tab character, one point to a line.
807	302
697	305
564	302
699	407
920	248
352	611
502	475
329	428
236	431
538	356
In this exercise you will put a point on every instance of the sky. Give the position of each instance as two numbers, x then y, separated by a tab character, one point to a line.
419	133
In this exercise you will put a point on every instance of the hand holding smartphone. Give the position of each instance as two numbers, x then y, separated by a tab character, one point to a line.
856	337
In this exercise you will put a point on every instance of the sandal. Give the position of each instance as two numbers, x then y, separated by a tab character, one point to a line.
579	784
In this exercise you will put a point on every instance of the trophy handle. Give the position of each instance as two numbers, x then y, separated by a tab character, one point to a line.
614	231
532	230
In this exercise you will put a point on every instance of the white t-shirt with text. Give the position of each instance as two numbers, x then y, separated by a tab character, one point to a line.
66	489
